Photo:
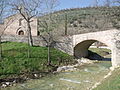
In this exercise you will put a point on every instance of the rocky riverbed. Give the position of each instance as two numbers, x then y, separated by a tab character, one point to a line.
26	77
6	82
86	77
81	62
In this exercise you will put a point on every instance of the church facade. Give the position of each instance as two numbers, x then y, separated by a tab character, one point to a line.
16	25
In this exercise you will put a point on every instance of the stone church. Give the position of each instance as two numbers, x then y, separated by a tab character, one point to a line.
16	25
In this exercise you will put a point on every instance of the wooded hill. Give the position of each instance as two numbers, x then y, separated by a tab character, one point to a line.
81	20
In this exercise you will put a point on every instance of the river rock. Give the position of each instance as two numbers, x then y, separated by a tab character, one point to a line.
112	68
35	75
85	60
81	61
66	68
7	83
4	85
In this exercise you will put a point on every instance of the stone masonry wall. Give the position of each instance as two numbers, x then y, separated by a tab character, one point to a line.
17	23
65	44
38	41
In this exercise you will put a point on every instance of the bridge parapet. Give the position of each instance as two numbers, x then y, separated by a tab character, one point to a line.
106	37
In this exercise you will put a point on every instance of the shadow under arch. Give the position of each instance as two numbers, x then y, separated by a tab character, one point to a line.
81	50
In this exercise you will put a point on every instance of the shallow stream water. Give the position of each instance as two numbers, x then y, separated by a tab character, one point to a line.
82	79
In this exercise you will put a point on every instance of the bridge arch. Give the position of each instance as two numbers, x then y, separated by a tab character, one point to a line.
81	49
82	42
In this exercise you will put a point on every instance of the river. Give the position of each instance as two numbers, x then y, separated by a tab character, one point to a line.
82	79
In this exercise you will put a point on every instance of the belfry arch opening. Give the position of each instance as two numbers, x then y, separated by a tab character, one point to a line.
89	49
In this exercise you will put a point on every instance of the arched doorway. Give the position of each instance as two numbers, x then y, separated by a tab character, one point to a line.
21	32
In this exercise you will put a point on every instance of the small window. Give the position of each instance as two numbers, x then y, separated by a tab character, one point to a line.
38	33
21	32
20	22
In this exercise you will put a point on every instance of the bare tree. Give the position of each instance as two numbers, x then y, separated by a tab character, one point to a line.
48	24
3	25
1	9
2	6
28	9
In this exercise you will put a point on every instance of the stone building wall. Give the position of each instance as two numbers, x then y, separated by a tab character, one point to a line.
1	28
16	25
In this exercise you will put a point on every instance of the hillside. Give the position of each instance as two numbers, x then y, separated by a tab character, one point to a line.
82	20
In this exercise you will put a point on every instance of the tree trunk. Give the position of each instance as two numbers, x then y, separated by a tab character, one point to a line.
65	24
30	34
28	50
0	49
30	40
49	61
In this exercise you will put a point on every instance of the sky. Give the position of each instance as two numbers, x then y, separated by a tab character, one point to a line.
65	4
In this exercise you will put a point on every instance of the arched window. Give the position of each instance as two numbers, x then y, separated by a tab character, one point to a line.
20	22
21	32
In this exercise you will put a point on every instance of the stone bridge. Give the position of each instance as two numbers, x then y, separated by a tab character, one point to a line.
78	45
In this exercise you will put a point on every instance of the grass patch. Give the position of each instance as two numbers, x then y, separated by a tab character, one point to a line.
100	51
112	82
15	59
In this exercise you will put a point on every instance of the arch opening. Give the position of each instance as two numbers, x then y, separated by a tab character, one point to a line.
92	49
21	32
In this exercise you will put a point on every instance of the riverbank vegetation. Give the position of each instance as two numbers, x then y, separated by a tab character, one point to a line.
16	62
112	82
16	67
